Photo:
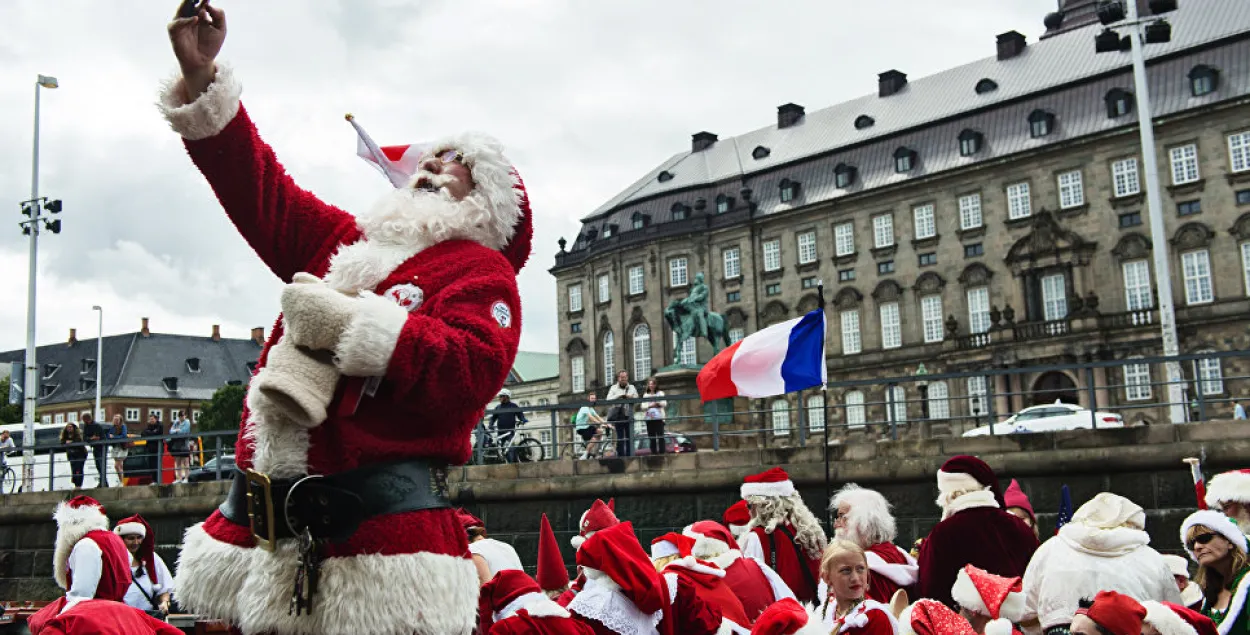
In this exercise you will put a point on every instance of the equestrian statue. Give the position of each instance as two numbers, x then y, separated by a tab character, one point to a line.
690	317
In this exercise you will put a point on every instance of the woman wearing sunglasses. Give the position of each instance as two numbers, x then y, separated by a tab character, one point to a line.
1216	543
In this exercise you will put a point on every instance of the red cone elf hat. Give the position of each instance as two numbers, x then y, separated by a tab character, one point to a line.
552	574
600	516
614	553
506	587
772	482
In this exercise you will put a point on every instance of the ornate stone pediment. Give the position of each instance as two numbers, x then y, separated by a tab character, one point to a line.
847	298
773	312
735	317
887	291
1192	236
576	346
929	282
1049	244
1241	228
1132	246
604	324
975	275
808	303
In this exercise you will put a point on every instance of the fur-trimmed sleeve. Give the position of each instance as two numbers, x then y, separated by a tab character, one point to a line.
290	229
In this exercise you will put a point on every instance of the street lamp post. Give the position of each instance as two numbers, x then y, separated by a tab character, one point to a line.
30	388
99	363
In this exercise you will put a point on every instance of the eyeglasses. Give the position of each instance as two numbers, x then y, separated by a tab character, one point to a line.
449	156
1200	540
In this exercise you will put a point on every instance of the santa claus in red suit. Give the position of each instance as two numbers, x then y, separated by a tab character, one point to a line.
600	516
754	583
99	617
623	593
783	533
1229	492
864	518
701	589
90	562
399	325
975	529
512	603
788	617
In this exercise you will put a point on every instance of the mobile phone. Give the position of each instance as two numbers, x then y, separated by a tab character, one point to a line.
189	8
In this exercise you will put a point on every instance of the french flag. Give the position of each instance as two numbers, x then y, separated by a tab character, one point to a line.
782	358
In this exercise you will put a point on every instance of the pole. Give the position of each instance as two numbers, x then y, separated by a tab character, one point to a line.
30	389
824	401
1154	204
99	362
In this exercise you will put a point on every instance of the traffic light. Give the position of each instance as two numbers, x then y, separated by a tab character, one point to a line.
1110	12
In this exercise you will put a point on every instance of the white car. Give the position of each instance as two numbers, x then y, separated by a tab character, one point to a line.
1049	418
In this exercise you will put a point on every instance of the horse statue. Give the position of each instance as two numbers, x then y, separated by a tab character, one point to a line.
690	317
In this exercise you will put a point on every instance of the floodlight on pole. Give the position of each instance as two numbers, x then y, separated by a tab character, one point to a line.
99	363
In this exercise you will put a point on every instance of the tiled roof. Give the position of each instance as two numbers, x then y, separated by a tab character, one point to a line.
1061	74
136	366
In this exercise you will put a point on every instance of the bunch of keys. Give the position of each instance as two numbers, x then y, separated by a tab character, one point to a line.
307	574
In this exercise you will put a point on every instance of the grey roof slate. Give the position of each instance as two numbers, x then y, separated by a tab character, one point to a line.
1061	74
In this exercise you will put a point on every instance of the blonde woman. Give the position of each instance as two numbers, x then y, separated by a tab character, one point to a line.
845	609
1216	543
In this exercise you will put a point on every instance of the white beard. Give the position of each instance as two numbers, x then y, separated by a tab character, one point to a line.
406	221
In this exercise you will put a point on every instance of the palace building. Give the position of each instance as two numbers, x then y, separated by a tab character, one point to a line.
989	216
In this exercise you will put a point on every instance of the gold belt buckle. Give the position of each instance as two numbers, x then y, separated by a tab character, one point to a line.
260	507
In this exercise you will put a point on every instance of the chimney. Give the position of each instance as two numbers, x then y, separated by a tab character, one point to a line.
216	332
701	141
73	337
890	82
1010	44
258	335
788	115
144	331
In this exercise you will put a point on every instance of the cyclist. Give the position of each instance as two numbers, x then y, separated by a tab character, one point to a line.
6	446
586	423
504	422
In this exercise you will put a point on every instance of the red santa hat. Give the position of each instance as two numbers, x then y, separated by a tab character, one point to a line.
600	516
711	539
467	519
737	517
966	474
75	518
786	617
1015	497
614	555
137	526
930	617
1216	522
771	482
1229	487
1001	599
512	590
671	544
1119	614
1174	619
552	574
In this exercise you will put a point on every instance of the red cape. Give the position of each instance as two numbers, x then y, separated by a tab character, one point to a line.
96	616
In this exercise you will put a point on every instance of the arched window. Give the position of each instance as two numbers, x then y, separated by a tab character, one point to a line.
1119	103
856	417
781	417
736	334
1203	80
642	351
896	404
939	407
816	413
609	357
1210	375
689	353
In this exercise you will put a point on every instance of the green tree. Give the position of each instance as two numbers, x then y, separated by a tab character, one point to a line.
224	412
8	413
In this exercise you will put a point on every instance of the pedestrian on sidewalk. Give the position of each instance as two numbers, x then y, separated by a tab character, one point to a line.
93	432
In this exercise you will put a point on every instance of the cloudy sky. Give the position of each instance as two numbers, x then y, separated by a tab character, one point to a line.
586	94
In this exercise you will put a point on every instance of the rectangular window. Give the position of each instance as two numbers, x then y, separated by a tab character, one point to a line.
979	310
605	288
773	289
931	315
882	231
856	416
1137	293
1189	208
891	330
939	405
1130	219
1243	197
978	405
1211	375
575	327
132	415
928	259
1071	190
850	332
896	404
575	298
1245	264
974	250
1184	164
577	366
59	419
846	275
677	272
1019	202
636	280
816	413
844	240
1196	266
733	296
736	334
970	211
1239	151
781	417
689	353
1124	177
923	218
46	420
154	412
807	248
732	259
810	282
886	267
73	417
772	255
1137	382
1054	297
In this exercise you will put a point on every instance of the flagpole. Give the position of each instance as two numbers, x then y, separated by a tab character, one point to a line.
824	404
1200	485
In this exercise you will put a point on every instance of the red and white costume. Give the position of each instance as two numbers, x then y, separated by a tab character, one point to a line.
90	562
789	554
698	582
1174	619
930	617
998	598
788	617
434	315
552	576
754	583
99	617
517	606
865	518
623	594
1229	487
600	516
736	518
869	617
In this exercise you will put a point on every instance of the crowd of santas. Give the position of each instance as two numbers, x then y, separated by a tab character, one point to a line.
769	569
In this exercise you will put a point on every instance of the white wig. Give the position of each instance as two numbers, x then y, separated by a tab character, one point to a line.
869	521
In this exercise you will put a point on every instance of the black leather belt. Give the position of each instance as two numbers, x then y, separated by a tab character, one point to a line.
331	507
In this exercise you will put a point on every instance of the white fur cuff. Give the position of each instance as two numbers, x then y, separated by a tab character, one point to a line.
369	340
207	115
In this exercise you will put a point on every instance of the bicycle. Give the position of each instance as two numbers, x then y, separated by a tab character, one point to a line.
525	448
577	450
8	478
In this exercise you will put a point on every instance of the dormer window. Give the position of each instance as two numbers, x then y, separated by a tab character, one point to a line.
85	384
789	190
170	384
88	366
864	121
724	204
760	152
50	369
1203	80
1040	123
680	211
904	160
251	368
970	142
844	175
639	220
608	231
1119	103
193	364
664	176
47	390
986	85
591	234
